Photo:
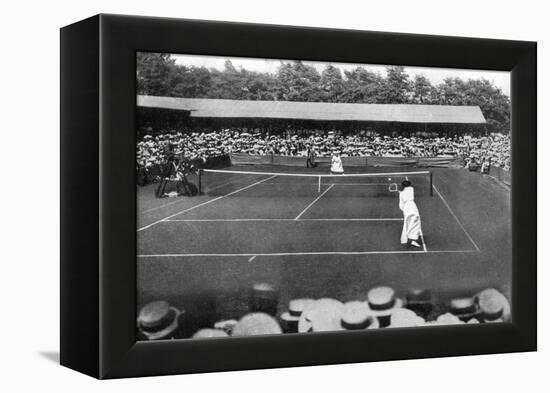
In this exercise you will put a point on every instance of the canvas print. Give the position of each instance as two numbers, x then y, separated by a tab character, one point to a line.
279	196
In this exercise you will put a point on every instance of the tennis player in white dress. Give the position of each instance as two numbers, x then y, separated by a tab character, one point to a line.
336	166
412	230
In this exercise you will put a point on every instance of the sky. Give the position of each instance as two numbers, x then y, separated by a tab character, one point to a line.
501	79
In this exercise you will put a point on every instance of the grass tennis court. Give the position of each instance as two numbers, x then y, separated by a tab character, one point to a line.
336	240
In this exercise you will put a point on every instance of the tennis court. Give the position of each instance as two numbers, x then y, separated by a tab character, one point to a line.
316	235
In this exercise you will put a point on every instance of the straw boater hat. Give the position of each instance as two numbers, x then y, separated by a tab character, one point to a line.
382	301
209	333
464	308
493	306
226	325
158	320
256	323
290	319
357	315
404	317
447	319
323	315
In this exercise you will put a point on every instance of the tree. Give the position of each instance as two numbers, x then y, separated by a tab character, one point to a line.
331	84
158	74
229	83
260	86
194	82
451	92
298	82
397	87
494	104
362	86
154	73
422	90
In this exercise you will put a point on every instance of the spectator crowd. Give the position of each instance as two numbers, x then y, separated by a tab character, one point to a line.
381	307
153	150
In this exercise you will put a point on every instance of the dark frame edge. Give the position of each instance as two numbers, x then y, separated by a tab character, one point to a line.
79	237
116	354
524	195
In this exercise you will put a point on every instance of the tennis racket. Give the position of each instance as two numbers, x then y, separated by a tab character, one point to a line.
393	187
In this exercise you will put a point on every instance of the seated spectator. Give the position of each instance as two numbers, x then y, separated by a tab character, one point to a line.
153	151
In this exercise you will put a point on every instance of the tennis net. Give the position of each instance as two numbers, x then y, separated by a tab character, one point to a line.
222	182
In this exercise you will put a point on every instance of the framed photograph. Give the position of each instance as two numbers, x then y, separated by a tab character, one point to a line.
239	196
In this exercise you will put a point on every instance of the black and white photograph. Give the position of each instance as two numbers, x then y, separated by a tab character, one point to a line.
284	196
268	197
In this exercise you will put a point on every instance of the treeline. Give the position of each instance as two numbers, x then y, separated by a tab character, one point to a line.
159	75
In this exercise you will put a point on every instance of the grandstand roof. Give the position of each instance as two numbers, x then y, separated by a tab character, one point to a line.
323	111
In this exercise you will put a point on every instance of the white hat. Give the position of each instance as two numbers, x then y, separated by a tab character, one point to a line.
464	308
226	325
323	315
209	333
493	306
382	301
448	319
357	315
158	320
255	324
404	317
297	306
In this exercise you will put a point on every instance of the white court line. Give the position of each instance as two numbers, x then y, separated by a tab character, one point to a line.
423	240
204	203
455	217
335	184
256	254
226	183
161	206
312	203
278	219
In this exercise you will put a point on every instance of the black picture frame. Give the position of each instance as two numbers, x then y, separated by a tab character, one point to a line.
98	208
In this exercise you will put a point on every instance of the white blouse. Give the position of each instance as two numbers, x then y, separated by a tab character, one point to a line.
407	195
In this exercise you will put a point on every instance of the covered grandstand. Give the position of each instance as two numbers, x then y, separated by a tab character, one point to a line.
163	113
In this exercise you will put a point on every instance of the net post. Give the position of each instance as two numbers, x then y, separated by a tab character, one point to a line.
319	186
200	181
431	184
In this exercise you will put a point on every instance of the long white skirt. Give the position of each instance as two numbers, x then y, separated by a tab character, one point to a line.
411	223
337	168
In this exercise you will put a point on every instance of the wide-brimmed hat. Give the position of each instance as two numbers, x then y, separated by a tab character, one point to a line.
382	301
357	315
297	306
226	325
493	306
464	308
403	317
323	315
158	320
210	333
447	319
255	324
289	319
